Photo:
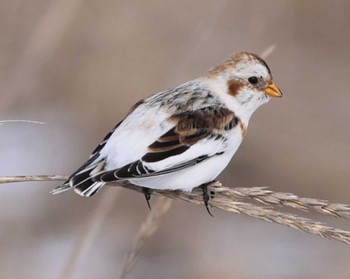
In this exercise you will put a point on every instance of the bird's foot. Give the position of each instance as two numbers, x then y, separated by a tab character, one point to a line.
147	194
206	196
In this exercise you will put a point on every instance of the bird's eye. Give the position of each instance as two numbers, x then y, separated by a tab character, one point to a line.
253	80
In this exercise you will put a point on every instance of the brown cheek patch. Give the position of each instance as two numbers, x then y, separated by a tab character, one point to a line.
233	87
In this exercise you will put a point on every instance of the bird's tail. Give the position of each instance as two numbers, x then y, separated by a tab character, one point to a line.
83	180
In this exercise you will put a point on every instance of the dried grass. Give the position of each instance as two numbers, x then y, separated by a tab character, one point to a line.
42	44
90	230
232	200
146	231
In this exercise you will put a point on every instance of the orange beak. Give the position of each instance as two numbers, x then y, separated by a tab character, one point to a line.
273	91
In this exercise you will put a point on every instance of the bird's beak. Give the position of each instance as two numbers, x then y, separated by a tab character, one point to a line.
272	90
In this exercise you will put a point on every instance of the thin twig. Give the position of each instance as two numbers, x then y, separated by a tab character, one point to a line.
21	121
31	178
147	230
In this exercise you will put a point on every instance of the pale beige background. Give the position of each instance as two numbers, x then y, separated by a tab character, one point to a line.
79	65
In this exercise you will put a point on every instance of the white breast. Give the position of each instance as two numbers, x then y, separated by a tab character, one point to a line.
201	173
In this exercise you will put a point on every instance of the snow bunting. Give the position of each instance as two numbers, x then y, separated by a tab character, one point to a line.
183	137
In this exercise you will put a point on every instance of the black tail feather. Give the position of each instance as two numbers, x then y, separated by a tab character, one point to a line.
83	180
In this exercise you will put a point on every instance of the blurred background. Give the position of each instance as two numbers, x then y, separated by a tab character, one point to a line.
79	65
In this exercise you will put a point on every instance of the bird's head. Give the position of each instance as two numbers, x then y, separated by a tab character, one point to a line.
244	81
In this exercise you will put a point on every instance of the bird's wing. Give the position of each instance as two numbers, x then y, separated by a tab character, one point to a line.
83	178
102	144
195	136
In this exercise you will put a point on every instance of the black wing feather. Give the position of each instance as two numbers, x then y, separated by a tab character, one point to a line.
190	127
129	171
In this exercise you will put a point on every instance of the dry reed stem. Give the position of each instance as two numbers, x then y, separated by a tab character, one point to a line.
268	51
147	230
226	199
260	194
268	197
230	199
43	42
89	232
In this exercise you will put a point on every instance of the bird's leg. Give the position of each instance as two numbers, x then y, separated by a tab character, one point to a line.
147	194
206	196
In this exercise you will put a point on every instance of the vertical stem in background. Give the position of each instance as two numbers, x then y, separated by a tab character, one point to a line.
149	226
268	51
90	231
45	39
200	34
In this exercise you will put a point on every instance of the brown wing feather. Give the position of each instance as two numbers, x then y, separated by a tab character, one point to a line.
199	124
191	127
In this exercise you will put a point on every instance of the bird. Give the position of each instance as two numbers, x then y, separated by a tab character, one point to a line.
183	137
